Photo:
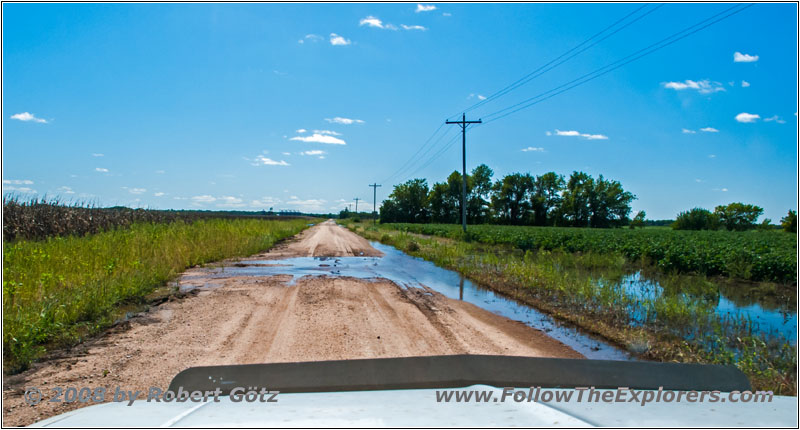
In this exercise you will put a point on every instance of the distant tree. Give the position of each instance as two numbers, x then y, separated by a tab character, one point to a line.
764	225
408	202
696	219
638	220
575	209
546	197
738	216
479	189
609	204
345	213
511	198
789	222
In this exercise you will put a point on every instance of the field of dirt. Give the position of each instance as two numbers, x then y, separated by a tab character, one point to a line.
248	319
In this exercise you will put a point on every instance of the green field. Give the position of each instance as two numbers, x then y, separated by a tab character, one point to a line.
586	289
59	290
750	255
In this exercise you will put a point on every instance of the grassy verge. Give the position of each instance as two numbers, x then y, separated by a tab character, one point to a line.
61	289
677	325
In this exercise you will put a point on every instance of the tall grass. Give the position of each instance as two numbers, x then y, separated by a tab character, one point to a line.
676	324
58	289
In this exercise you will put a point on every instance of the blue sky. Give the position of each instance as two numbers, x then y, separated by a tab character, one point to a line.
301	106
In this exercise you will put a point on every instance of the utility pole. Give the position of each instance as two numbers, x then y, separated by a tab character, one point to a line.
374	202
463	123
356	199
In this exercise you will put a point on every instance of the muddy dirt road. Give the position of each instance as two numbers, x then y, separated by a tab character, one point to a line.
259	319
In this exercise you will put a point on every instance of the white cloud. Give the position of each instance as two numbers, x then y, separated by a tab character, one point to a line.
337	40
307	205
27	190
738	57
301	130
159	194
320	138
413	27
332	133
286	153
18	181
709	130
204	199
687	131
310	38
745	84
345	121
425	8
480	97
101	169
98	155
374	22
137	190
27	116
532	149
775	118
265	201
313	152
747	117
66	190
447	14
261	160
230	202
703	87
160	172
712	156
583	135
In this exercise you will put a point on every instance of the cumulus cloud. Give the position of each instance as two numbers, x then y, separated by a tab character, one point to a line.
159	194
301	130
261	160
345	121
332	133
775	118
310	38
374	22
65	190
425	8
337	40
98	155
747	117
738	57
320	138
101	169
27	116
308	205
745	84
579	134
413	27
532	149
18	181
687	131
709	130
230	202
26	190
137	190
204	199
313	152
703	87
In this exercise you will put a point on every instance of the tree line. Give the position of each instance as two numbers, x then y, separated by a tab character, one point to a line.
549	199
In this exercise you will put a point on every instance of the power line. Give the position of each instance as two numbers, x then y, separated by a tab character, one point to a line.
539	71
616	64
422	156
404	165
463	124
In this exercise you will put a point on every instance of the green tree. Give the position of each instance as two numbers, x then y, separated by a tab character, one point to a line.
789	222
738	216
609	203
546	197
696	219
479	189
575	209
511	198
639	220
408	202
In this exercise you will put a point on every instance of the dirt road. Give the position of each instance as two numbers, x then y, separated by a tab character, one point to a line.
251	319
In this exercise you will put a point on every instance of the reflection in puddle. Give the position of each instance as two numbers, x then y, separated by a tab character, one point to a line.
408	271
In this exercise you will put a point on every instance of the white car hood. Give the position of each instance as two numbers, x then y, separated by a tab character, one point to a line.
402	408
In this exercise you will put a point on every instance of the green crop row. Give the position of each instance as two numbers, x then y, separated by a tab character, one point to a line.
751	255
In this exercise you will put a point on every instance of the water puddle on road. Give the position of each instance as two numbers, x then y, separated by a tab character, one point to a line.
409	271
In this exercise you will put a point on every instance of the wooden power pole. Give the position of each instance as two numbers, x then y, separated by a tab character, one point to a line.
356	199
463	123
374	202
